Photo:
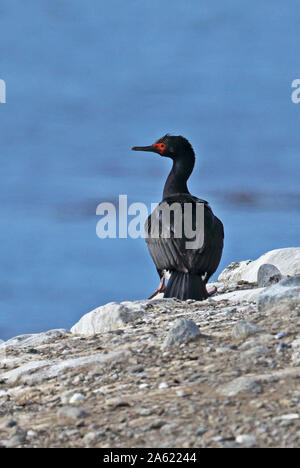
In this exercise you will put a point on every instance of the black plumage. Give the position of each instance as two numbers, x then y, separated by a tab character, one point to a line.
169	241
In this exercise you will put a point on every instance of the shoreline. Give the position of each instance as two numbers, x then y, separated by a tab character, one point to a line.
134	374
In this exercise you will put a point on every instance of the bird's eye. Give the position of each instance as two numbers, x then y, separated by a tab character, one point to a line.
160	146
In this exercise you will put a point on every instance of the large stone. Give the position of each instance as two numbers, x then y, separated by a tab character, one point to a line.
243	329
251	383
14	375
255	352
286	260
241	384
268	274
182	331
235	297
108	317
39	371
281	297
36	339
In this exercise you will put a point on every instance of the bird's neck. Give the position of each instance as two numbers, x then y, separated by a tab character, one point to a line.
177	179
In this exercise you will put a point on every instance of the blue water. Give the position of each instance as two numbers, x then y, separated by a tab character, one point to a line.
88	80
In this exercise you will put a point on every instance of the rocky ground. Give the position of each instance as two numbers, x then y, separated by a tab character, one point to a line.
224	372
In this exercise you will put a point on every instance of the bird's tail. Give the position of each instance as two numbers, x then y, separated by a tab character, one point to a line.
186	286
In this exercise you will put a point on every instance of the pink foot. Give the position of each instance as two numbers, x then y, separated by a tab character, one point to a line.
211	291
161	288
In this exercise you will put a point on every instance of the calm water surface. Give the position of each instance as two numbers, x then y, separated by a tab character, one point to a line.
88	80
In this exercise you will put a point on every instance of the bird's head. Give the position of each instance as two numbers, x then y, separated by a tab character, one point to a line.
169	146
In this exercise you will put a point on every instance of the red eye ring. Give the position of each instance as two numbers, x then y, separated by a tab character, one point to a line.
160	146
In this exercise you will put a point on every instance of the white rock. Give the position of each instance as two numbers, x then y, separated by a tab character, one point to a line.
268	274
36	339
14	375
108	317
286	260
250	383
10	363
249	295
281	297
233	271
93	436
296	343
38	371
65	396
241	384
289	417
76	398
163	385
247	440
182	331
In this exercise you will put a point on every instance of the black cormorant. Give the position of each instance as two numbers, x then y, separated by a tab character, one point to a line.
189	267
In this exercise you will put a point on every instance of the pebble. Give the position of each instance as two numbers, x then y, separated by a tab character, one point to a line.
244	329
290	417
76	398
143	385
201	431
240	384
183	331
116	402
217	439
256	351
79	378
136	369
168	429
146	411
281	347
247	440
296	343
157	424
72	413
163	385
93	436
280	335
11	423
15	441
222	349
65	396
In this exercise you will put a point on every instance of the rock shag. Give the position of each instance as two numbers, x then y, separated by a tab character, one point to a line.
189	268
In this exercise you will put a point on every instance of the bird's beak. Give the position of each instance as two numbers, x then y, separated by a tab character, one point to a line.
144	148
